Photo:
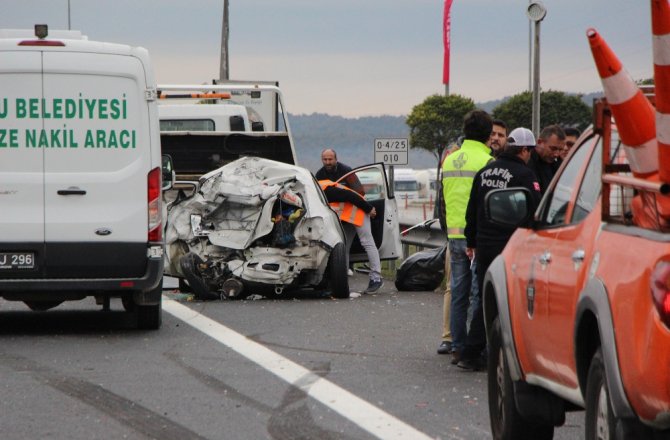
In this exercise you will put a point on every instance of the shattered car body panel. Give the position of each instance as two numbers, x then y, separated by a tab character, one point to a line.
256	221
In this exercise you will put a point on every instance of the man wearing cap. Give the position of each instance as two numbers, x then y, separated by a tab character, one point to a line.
487	240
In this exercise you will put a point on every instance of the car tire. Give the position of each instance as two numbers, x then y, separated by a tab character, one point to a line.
337	272
189	265
183	286
506	422
600	420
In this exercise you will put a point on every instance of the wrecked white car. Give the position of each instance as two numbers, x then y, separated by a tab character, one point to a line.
256	224
264	227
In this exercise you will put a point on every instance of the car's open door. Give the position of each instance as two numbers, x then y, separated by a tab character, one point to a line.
371	182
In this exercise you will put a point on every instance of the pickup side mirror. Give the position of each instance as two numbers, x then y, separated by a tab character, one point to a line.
168	172
508	207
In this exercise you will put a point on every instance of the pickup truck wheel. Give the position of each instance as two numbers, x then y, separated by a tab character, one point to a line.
506	422
600	420
337	272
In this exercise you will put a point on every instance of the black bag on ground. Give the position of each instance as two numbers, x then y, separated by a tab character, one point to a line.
422	270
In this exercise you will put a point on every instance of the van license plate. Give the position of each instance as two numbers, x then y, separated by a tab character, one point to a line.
17	260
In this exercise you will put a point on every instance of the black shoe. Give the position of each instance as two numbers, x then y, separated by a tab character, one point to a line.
476	364
456	357
445	348
374	286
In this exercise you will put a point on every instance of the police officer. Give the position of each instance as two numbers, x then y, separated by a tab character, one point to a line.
487	240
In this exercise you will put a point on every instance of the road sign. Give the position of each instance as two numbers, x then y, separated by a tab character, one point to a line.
392	151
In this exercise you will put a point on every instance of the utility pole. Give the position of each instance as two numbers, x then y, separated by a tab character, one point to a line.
224	72
536	13
68	15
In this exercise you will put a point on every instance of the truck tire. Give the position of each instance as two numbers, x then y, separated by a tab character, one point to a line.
337	272
600	420
506	422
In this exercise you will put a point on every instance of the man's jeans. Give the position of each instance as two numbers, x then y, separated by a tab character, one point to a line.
464	291
364	233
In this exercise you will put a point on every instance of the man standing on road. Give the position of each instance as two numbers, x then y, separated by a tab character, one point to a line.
545	157
486	239
355	213
458	172
334	170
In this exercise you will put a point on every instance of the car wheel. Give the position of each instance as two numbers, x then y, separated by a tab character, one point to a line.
189	265
337	272
183	286
600	420
42	306
506	422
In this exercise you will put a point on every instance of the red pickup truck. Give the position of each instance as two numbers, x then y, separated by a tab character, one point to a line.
577	307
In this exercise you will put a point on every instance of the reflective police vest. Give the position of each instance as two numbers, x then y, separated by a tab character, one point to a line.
458	173
348	212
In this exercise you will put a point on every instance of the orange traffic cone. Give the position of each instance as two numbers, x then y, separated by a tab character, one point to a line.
633	113
660	25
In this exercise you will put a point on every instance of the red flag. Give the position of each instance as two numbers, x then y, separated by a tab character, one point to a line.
447	42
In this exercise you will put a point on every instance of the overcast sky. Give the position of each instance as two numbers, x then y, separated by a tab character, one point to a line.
360	57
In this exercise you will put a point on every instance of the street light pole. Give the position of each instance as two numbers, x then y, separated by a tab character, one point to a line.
536	13
223	71
68	15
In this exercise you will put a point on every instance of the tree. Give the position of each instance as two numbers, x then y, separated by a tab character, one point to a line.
437	122
555	108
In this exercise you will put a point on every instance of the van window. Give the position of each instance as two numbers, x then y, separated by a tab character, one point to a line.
187	125
410	185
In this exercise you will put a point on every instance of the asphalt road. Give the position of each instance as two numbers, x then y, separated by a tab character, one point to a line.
308	367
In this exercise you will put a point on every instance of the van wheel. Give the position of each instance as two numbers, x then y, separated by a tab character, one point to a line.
150	317
506	422
189	265
42	306
337	272
128	303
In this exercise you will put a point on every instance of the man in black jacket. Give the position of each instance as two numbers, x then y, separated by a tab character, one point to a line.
546	157
487	239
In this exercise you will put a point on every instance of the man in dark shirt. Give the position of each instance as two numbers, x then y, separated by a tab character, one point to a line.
487	239
545	158
334	170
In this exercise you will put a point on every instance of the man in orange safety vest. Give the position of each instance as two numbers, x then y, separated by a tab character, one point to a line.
355	213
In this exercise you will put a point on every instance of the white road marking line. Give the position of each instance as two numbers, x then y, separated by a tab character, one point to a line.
367	416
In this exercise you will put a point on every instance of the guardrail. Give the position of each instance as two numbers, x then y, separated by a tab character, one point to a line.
426	234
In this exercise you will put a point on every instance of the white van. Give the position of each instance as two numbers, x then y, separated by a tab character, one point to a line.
80	173
405	184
